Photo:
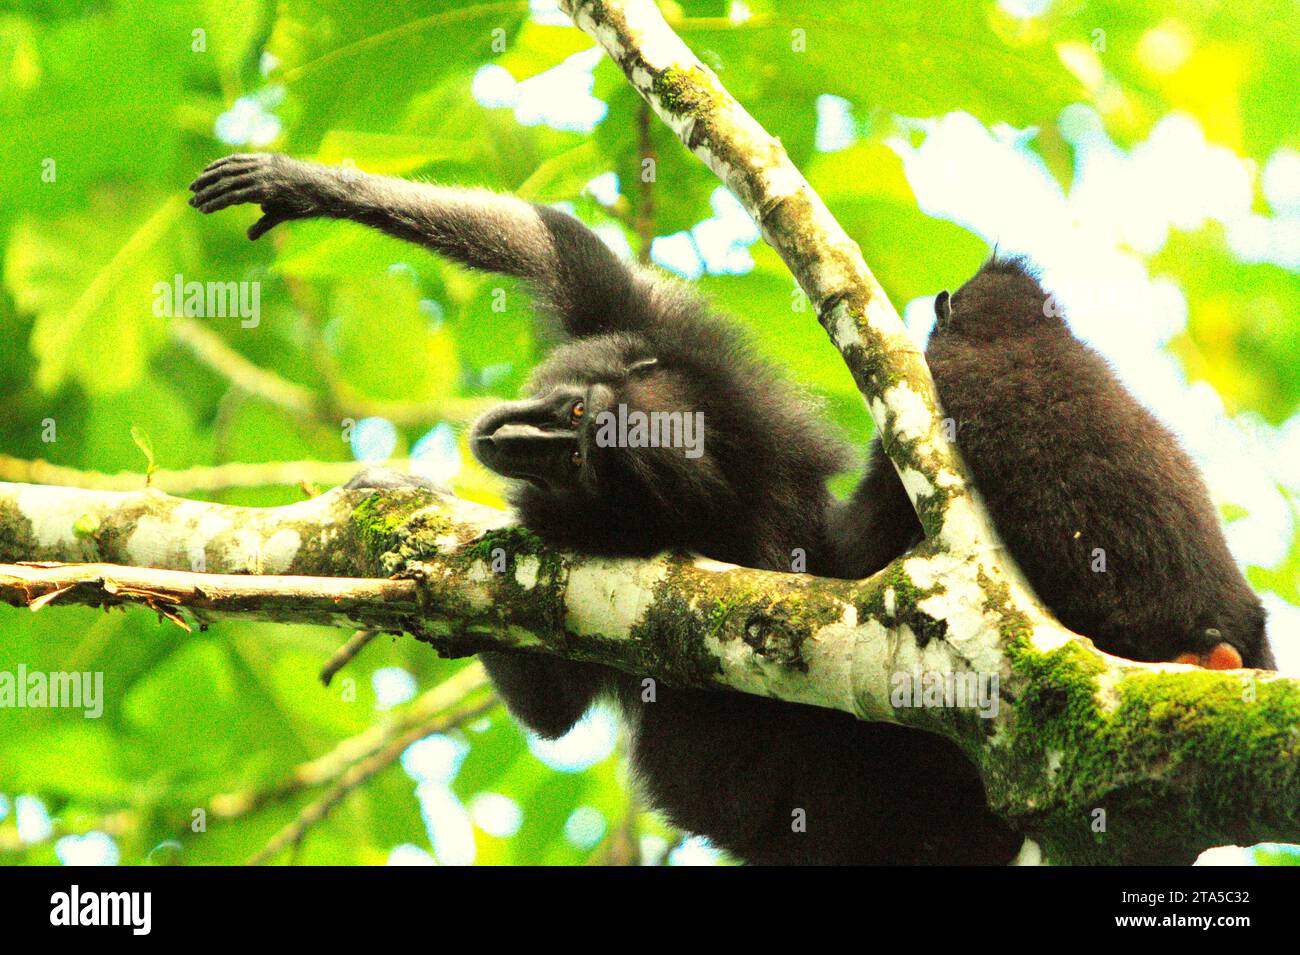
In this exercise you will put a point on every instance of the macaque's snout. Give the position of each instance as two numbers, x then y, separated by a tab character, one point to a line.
534	440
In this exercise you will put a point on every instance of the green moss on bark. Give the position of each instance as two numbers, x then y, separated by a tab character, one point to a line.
386	528
17	542
686	92
1170	765
515	541
906	598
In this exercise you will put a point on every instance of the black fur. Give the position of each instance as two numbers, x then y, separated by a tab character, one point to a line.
1054	442
1072	469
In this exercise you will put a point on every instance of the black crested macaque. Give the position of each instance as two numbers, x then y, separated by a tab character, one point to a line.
1065	458
1103	511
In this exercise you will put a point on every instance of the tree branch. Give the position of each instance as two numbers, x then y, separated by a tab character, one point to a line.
367	767
199	479
470	682
346	654
1179	759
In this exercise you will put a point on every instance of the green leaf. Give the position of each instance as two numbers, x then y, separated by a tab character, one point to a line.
1241	331
90	280
537	47
898	57
372	313
358	67
155	408
143	442
234	27
390	154
88	96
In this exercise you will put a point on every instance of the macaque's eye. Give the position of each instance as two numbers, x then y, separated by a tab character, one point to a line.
577	411
576	458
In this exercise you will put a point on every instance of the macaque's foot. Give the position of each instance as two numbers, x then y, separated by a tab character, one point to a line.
387	479
285	188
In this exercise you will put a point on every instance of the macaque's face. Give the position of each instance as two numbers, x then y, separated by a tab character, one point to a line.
547	440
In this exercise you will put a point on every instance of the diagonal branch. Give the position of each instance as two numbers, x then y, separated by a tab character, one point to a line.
359	773
424	710
885	362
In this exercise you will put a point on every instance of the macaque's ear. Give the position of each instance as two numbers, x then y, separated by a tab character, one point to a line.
942	307
642	367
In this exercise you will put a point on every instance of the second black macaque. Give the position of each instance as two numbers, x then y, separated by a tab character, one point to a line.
1067	462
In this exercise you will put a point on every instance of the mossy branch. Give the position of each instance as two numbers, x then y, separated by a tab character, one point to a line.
1072	709
1177	760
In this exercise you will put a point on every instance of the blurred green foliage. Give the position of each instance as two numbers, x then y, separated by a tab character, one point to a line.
109	108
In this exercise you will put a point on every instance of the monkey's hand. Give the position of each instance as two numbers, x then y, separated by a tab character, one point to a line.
285	188
387	479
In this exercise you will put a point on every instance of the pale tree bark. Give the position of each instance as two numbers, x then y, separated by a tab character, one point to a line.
1097	758
1073	731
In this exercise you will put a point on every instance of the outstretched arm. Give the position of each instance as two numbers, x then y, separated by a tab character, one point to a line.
570	267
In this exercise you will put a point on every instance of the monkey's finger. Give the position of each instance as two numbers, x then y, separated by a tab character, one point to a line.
235	159
208	177
225	166
219	190
223	199
226	177
265	224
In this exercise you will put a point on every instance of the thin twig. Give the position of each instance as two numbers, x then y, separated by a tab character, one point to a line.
202	479
346	654
360	773
645	218
211	349
332	600
330	766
